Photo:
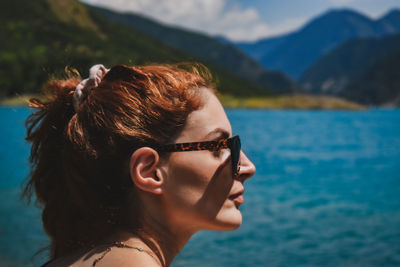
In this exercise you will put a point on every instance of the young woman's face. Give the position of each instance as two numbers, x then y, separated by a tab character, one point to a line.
200	191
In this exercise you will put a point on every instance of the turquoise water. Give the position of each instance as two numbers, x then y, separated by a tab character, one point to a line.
326	193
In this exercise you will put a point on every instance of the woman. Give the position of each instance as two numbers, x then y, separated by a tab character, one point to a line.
131	162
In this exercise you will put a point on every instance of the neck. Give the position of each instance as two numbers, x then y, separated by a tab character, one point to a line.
164	239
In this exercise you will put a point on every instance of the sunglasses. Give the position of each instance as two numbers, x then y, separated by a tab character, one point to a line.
232	143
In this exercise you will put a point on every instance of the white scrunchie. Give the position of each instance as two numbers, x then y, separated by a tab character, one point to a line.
96	74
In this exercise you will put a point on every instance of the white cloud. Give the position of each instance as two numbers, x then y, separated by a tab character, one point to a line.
214	17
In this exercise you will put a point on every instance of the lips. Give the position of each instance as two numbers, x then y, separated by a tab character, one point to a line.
237	197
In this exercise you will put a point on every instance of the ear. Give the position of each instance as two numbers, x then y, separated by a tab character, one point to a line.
144	171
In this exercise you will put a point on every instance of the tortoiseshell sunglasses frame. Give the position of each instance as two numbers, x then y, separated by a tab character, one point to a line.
232	143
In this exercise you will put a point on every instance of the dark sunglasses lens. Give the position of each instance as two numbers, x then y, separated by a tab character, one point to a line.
235	153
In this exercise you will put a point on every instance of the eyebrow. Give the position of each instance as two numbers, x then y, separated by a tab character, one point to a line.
219	134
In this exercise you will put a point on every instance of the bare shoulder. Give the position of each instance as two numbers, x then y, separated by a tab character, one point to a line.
122	257
127	257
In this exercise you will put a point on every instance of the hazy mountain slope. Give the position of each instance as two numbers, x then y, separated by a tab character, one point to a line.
380	84
391	21
332	73
257	50
301	49
222	54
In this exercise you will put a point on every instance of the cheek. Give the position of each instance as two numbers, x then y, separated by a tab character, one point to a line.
190	173
189	170
198	183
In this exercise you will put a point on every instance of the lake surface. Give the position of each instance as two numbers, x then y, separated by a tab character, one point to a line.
326	193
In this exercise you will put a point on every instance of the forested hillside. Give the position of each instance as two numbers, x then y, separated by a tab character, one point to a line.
346	64
380	84
222	54
42	37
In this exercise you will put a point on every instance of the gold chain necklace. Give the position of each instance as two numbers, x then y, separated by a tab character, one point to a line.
123	245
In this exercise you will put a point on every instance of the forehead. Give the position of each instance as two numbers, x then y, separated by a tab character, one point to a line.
202	122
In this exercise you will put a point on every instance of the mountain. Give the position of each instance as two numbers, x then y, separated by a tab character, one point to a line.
263	47
333	72
380	84
45	36
295	52
42	37
391	21
363	70
217	51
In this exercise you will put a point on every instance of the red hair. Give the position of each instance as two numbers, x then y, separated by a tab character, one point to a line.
79	159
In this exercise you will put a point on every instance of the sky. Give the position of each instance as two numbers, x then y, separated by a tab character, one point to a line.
243	20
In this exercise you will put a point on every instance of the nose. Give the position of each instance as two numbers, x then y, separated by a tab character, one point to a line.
247	168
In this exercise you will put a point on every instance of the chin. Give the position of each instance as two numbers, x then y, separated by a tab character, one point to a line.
227	220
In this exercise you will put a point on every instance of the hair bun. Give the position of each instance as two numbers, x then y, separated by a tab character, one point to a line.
96	74
120	73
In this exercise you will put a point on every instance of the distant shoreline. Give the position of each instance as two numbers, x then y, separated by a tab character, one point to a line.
18	101
295	101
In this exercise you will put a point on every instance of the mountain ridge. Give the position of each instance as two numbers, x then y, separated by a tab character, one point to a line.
41	43
380	84
361	70
299	50
333	72
211	49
